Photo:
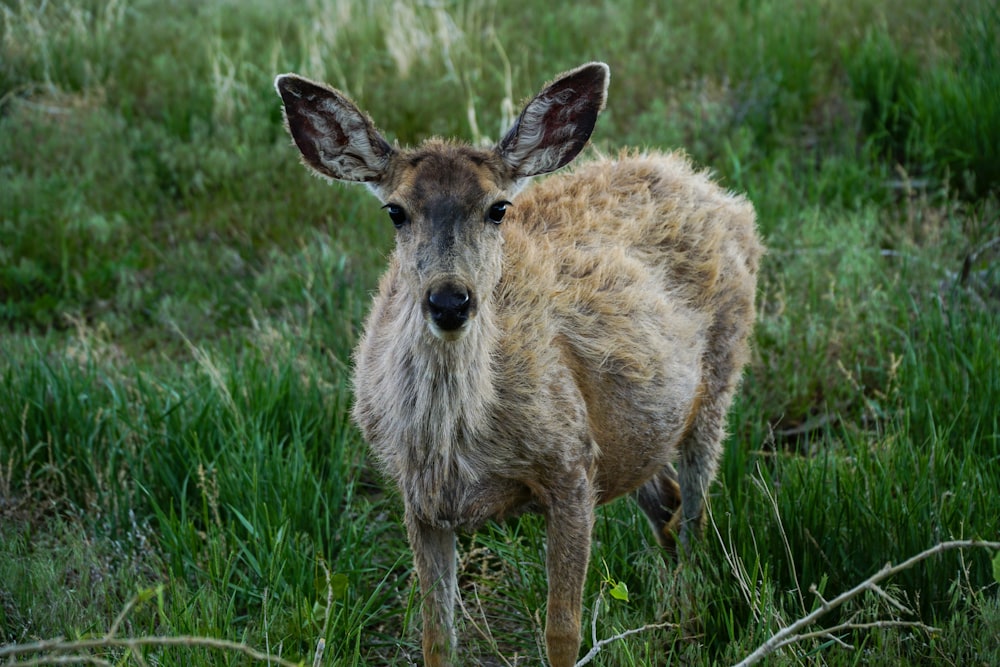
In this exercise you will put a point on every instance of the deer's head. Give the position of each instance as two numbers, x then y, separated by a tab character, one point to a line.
446	200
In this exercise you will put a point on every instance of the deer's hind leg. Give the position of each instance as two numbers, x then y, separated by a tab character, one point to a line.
674	499
660	500
700	451
701	447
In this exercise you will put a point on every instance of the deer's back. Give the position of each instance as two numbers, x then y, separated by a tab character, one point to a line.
655	207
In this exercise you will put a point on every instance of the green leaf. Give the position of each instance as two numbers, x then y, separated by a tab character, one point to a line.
996	568
338	583
620	591
146	594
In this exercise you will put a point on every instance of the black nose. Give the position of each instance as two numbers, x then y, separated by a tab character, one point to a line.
449	306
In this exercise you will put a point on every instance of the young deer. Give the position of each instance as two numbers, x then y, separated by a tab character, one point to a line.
546	350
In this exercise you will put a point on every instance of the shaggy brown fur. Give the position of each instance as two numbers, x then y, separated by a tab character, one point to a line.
550	362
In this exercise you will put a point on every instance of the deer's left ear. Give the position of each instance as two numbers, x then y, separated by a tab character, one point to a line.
557	123
335	137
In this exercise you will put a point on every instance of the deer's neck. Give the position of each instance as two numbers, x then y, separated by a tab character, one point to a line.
425	403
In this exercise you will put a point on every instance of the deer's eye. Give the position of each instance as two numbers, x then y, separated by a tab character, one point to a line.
497	211
396	214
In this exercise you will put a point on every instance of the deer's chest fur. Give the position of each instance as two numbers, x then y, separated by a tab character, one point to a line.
432	415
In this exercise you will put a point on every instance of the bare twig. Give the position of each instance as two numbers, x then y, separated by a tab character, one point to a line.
63	652
829	633
790	634
891	600
63	660
600	644
80	645
838	640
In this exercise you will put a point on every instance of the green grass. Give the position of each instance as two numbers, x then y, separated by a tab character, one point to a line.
179	301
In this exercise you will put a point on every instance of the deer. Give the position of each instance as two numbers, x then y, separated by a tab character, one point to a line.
544	348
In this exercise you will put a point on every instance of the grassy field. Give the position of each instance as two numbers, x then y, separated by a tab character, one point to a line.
179	299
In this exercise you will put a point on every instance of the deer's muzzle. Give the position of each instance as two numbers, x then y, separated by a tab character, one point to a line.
449	305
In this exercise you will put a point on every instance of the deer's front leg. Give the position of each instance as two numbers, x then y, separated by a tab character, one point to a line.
569	521
434	558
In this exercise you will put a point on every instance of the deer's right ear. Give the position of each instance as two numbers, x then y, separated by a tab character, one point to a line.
336	138
556	124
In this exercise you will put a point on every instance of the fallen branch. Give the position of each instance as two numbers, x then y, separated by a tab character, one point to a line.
60	651
77	647
600	644
790	634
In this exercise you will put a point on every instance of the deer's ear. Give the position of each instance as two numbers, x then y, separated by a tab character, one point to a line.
556	124
336	139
